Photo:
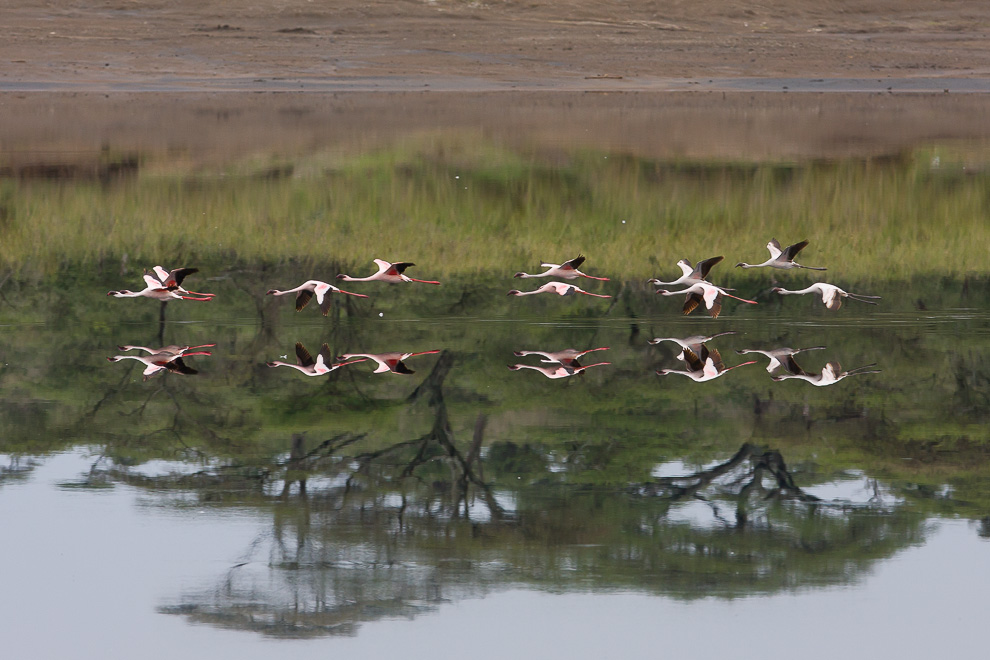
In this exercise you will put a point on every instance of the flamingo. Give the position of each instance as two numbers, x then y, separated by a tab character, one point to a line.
831	295
172	348
559	288
691	274
780	357
562	370
308	289
160	361
172	280
567	270
707	367
565	357
781	258
156	292
393	362
693	343
305	364
831	374
387	272
705	292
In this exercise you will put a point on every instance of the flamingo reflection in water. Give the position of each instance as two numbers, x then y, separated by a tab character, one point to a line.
393	362
831	373
780	357
167	358
694	343
702	367
323	364
562	364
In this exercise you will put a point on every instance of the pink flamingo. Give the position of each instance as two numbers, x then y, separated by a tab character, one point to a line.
559	288
161	360
323	364
691	274
831	295
562	370
700	292
567	270
700	369
172	280
387	272
393	362
781	257
308	289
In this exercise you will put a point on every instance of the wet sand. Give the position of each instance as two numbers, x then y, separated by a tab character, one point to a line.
812	79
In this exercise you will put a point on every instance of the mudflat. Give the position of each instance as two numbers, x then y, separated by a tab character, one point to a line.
686	77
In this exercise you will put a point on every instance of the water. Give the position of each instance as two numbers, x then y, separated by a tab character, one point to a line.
592	509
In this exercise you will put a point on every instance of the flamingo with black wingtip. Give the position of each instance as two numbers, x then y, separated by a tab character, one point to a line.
162	360
705	292
391	272
305	364
393	362
691	274
781	257
707	366
305	292
567	270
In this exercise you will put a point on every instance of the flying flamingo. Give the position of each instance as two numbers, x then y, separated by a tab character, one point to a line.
559	288
161	360
780	357
393	362
172	280
707	367
565	357
567	270
831	295
305	363
562	370
691	274
172	348
308	289
781	257
831	374
700	292
156	292
387	272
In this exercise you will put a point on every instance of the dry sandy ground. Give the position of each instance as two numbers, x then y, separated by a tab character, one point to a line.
679	75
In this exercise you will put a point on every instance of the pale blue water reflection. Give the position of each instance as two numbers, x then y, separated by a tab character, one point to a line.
106	562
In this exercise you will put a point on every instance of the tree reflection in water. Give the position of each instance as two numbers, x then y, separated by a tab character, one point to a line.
405	528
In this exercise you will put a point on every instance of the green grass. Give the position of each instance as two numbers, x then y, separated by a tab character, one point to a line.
463	206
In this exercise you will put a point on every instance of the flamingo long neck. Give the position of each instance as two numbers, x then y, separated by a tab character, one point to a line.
811	289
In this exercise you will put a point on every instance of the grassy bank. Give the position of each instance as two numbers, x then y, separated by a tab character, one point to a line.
459	205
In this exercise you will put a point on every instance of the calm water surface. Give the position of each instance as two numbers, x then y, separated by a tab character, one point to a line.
616	511
481	490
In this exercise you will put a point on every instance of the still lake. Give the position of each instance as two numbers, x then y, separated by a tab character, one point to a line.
481	490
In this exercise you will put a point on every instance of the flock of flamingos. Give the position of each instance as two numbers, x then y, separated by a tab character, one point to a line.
703	363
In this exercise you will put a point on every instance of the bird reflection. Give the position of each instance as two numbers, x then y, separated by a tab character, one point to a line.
323	364
692	343
166	358
780	357
703	366
562	363
393	362
831	373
